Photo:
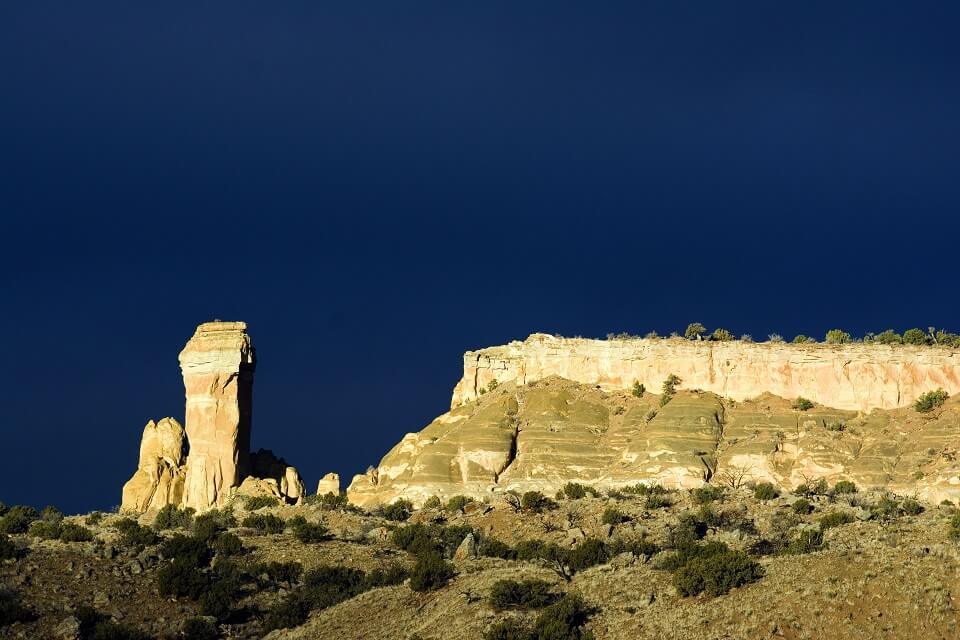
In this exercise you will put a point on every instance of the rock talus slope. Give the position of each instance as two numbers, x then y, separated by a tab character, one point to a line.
857	377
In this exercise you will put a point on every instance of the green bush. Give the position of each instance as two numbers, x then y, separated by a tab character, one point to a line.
562	620
187	549
590	552
51	514
208	525
800	339
687	531
536	502
252	503
398	511
227	544
17	519
613	516
96	626
458	503
911	507
844	486
716	573
889	337
172	517
669	389
433	502
8	550
801	506
640	547
835	519
181	579
837	336
12	610
311	533
491	547
806	541
836	426
765	491
44	530
529	549
576	491
929	401
71	532
430	572
953	532
694	331
915	336
886	508
523	594
330	501
801	404
818	487
721	335
706	494
93	519
200	629
264	523
638	389
135	536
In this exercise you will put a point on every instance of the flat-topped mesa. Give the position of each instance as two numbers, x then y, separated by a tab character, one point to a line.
218	364
856	377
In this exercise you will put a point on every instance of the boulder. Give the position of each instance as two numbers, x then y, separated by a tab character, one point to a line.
467	549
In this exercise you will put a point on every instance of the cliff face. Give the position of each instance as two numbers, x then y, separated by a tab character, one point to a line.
858	377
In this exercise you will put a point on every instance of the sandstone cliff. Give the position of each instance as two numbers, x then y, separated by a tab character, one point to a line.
857	377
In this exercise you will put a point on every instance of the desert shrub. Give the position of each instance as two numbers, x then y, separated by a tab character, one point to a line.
613	516
915	336
279	572
638	389
837	336
172	517
3	508
227	544
836	425
590	552
529	549
563	620
818	487
889	337
953	529
187	549
835	519
70	532
491	547
688	529
642	489
641	547
93	519
706	494
774	337
430	572
97	626
911	507
930	401
801	506
451	537
200	629
44	530
722	335
394	573
207	526
764	491
51	514
523	594
886	508
650	415
398	511
8	550
12	610
433	502
181	579
694	331
252	503
576	491
716	573
669	389
329	501
536	502
844	486
264	523
801	404
135	536
291	611
311	533
806	541
415	538
217	600
458	503
800	339
17	519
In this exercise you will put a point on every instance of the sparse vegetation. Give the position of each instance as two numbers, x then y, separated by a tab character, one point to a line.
562	620
399	510
264	523
458	503
17	519
844	487
806	541
430	572
613	516
765	491
915	336
311	532
172	517
669	389
694	331
8	550
536	502
801	506
11	609
135	536
253	503
706	494
638	389
801	404
576	491
722	335
930	400
711	568
523	594
801	339
835	519
837	336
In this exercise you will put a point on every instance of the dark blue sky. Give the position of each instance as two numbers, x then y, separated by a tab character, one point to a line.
377	187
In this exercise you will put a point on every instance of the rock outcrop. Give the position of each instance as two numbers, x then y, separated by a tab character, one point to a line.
857	377
218	364
330	483
541	435
160	475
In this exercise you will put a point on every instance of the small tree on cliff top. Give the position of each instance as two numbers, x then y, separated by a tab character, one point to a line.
694	331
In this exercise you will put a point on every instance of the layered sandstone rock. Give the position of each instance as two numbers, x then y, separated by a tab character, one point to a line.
330	483
857	377
541	435
160	475
218	364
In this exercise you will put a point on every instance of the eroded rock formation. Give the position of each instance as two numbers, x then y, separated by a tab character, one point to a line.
160	474
857	377
217	364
